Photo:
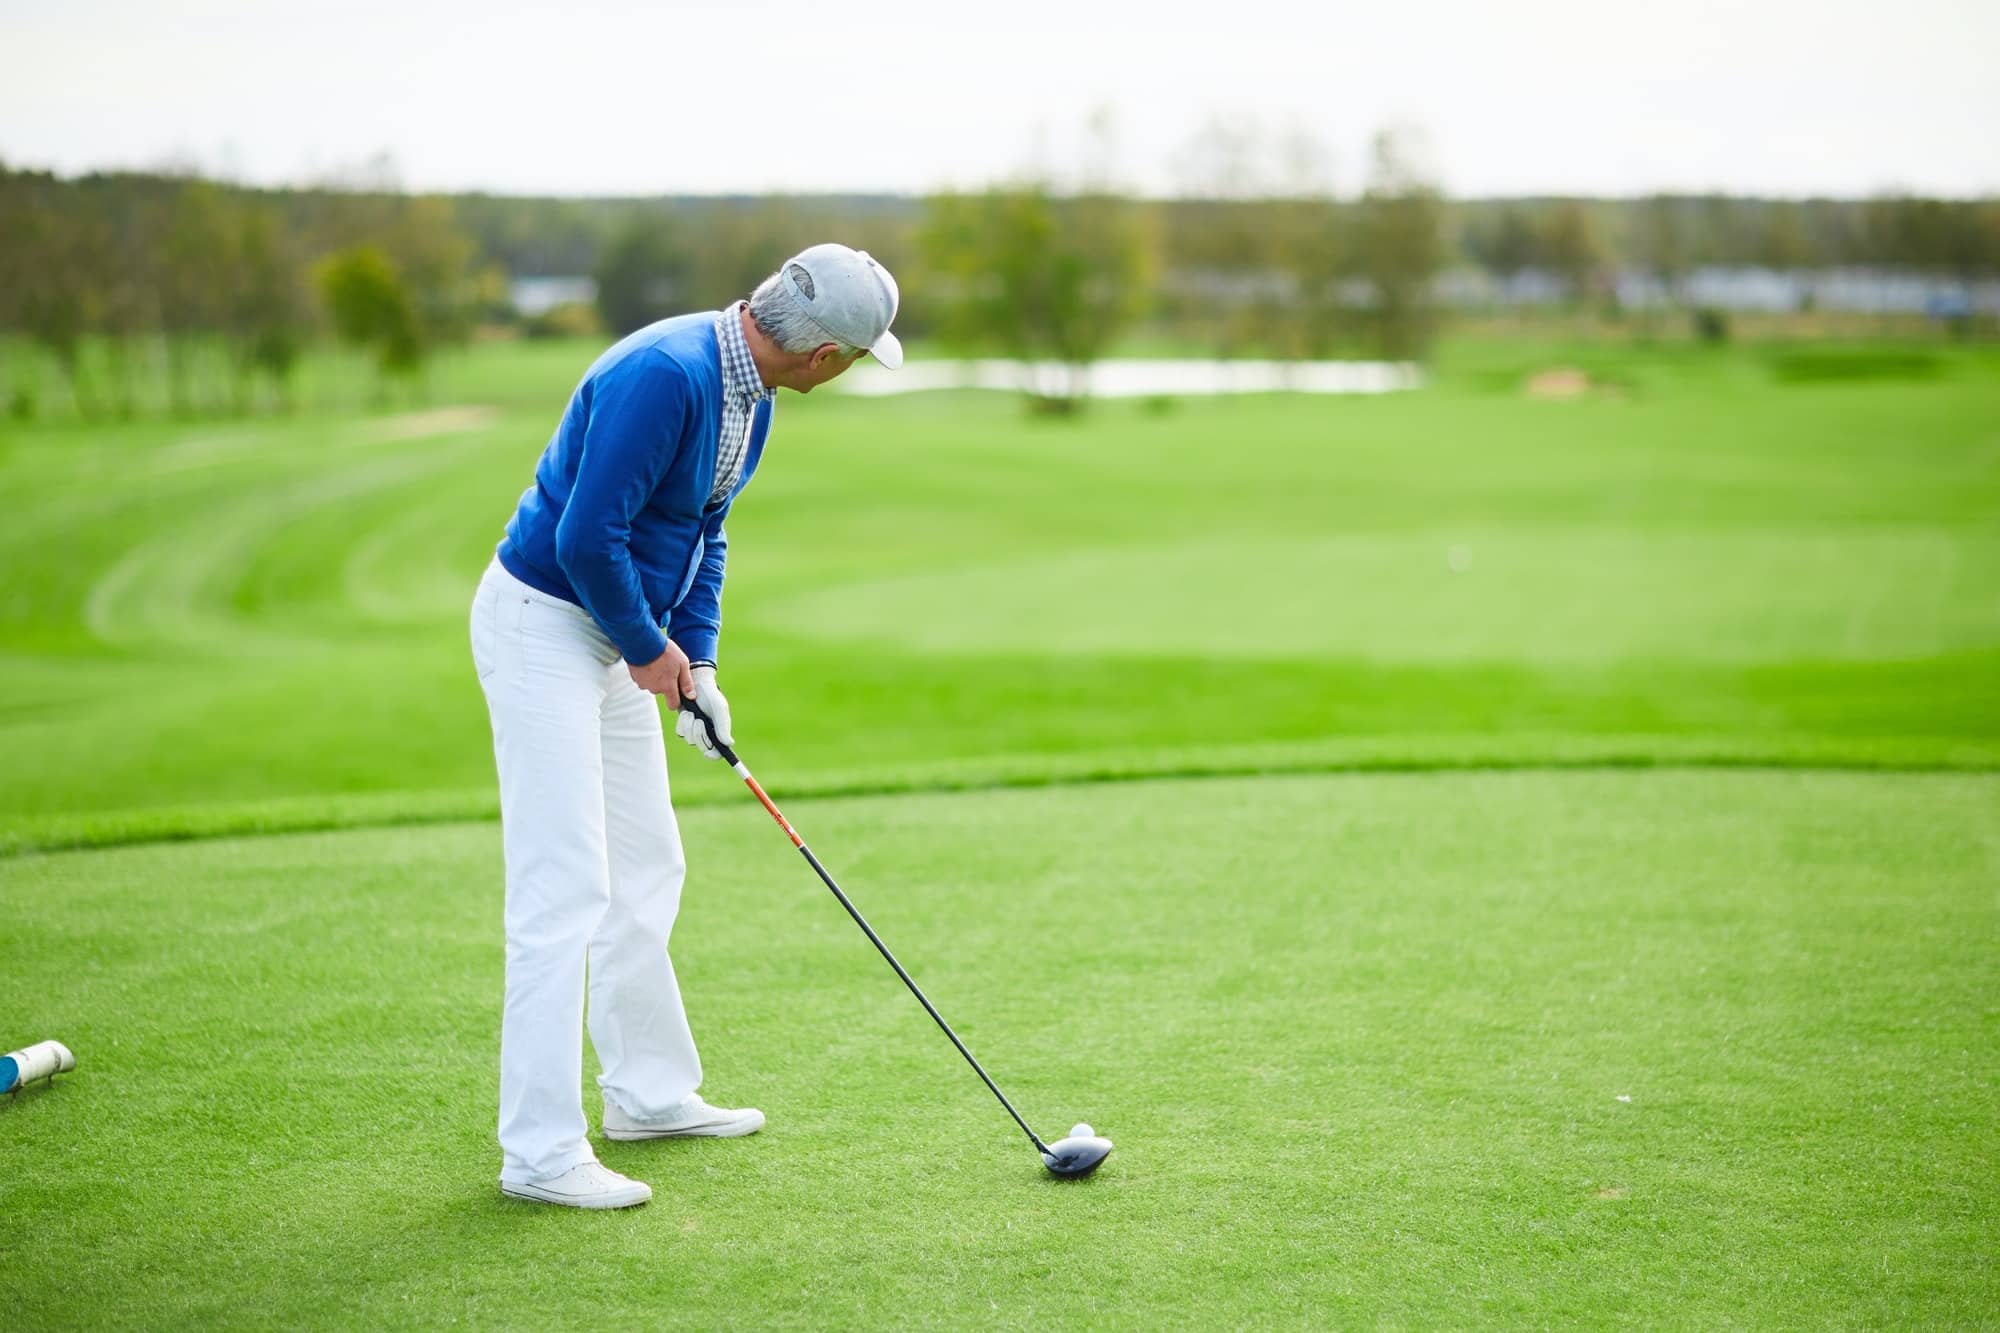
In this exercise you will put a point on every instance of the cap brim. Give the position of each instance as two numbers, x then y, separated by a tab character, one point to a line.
888	349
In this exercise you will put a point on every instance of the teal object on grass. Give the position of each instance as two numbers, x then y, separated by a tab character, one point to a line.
10	1073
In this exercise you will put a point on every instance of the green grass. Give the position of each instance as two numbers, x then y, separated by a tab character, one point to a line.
1344	804
205	617
1365	1044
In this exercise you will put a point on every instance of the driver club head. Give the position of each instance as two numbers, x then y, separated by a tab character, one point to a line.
1078	1155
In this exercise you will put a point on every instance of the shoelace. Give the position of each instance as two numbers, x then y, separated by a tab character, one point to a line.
596	1175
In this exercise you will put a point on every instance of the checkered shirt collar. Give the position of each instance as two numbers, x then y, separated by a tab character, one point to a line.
739	368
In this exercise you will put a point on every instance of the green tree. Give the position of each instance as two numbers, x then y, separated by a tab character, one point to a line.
1311	246
436	262
23	242
197	260
57	295
1662	245
370	307
1505	243
643	275
1041	277
266	318
1784	244
736	247
1574	248
1257	244
1400	247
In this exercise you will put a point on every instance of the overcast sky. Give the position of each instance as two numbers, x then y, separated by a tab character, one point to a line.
1534	96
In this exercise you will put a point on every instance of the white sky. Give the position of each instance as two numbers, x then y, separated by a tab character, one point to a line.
1532	96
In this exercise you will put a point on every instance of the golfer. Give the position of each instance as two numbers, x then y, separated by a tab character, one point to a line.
607	591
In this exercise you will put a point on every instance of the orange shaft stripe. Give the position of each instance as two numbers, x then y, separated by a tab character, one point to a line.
758	791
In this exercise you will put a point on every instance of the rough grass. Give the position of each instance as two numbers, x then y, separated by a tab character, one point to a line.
1666	1048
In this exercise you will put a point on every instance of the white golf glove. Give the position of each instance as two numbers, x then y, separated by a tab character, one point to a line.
689	728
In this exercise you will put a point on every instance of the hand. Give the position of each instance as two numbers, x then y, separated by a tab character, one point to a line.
689	727
666	674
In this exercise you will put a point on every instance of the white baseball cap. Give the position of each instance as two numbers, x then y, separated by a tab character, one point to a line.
849	295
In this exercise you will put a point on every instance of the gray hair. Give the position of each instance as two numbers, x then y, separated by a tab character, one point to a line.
781	318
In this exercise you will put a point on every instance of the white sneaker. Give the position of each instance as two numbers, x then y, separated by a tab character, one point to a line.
692	1119
586	1185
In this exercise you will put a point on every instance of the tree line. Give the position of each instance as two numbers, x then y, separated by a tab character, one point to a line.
212	292
1670	236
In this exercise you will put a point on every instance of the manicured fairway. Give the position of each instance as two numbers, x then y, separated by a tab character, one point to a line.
1485	860
1681	1047
246	624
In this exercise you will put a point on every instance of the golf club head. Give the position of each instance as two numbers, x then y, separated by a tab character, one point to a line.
1077	1155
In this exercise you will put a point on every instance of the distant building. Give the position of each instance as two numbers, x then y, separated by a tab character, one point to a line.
538	296
1853	290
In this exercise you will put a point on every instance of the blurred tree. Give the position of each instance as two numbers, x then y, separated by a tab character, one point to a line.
266	318
744	243
118	235
1219	256
1784	245
131	287
1311	243
1038	276
1256	244
642	276
1661	245
1939	235
23	252
1505	243
370	307
1225	158
56	294
197	260
540	237
1401	246
435	261
1226	272
492	301
1574	249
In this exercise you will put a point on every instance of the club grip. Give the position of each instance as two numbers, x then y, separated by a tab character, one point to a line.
708	724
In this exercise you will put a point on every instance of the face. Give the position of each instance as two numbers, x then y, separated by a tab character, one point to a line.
827	362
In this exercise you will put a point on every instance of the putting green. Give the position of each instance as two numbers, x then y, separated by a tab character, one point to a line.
1690	1048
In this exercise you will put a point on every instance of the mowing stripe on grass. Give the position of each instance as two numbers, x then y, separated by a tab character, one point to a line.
401	809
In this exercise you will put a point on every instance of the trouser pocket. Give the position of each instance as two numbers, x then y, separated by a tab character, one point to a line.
490	608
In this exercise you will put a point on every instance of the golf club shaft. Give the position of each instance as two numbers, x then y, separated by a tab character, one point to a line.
757	790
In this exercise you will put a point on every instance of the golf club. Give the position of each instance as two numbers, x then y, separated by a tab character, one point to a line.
1079	1154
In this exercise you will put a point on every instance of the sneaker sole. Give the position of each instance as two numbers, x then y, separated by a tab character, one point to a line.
536	1195
725	1129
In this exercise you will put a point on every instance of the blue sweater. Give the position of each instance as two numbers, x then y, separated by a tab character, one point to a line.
618	520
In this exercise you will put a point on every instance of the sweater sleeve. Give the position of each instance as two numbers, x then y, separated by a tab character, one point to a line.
697	621
638	413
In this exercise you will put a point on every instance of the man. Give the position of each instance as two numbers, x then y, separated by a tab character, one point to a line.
606	591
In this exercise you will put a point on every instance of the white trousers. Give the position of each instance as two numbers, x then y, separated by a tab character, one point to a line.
594	871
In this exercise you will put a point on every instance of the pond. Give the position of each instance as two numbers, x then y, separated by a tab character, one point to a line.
1137	379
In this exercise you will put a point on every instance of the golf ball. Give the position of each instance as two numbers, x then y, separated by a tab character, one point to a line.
1081	1131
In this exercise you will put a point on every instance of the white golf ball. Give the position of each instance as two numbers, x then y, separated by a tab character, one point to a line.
1081	1131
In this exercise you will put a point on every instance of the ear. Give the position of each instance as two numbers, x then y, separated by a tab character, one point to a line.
822	354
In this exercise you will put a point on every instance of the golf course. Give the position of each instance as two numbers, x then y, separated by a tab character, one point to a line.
1484	859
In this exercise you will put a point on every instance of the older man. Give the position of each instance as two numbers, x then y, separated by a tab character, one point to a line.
605	592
